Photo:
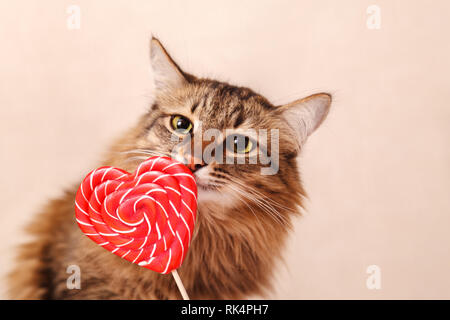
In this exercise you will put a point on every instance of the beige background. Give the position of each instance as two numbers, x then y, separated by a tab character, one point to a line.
377	171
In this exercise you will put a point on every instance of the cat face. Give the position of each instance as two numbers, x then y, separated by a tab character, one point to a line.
240	147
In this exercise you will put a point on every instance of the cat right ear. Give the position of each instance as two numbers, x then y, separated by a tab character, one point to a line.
166	73
307	114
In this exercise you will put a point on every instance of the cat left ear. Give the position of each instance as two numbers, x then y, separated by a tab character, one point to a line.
307	114
166	73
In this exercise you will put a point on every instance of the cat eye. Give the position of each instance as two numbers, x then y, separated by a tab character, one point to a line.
239	143
181	124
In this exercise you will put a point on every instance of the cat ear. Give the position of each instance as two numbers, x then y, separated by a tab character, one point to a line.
305	115
166	73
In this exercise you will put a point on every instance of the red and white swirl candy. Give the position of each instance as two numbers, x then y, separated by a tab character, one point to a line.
146	218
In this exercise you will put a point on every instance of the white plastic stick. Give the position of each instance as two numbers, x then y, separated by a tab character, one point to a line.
180	285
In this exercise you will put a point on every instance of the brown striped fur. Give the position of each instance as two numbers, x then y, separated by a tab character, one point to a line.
235	246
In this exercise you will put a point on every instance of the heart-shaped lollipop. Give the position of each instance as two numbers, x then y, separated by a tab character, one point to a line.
146	218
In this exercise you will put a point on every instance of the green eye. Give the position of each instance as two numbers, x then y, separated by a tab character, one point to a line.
181	124
240	144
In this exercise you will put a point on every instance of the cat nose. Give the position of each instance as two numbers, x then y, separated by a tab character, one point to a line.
195	164
195	167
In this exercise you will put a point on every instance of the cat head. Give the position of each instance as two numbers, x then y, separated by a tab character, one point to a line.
240	147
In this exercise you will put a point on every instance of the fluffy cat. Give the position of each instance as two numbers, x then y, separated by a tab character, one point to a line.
243	216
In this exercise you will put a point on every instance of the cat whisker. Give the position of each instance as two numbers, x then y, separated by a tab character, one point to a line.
265	198
263	206
264	203
146	152
142	154
136	158
242	199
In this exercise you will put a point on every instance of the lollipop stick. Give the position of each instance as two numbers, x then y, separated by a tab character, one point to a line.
180	285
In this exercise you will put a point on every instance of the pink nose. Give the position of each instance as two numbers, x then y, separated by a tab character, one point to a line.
194	163
195	166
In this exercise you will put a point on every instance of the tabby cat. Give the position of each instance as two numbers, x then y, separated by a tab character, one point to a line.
243	215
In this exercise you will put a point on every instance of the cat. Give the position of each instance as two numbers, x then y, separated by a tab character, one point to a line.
243	215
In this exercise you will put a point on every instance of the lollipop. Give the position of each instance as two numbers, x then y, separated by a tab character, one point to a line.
146	217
